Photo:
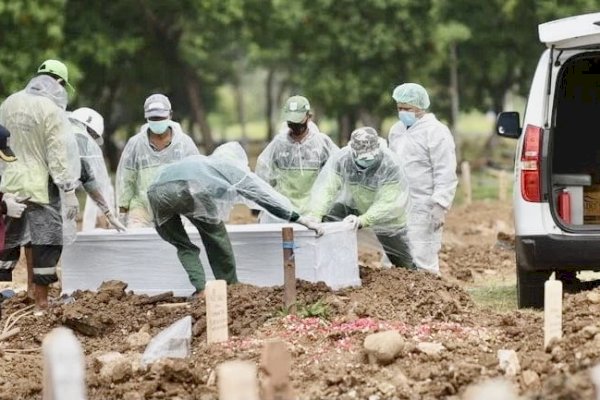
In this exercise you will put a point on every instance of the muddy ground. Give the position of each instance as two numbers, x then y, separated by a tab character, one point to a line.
327	349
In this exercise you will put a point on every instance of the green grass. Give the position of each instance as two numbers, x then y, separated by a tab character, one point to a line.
499	298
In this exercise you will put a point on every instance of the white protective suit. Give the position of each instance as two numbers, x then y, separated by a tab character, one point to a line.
427	152
91	154
138	167
292	167
46	151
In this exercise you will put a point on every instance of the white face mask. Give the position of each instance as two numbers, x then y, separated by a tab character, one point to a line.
159	127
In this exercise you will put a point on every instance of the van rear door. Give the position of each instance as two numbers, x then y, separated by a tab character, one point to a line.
573	32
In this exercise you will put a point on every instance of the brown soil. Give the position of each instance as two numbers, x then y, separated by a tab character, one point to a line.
328	362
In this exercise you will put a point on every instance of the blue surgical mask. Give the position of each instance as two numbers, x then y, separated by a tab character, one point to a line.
408	118
159	127
365	163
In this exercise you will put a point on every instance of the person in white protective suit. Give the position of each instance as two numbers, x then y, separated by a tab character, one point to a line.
294	158
426	148
364	184
159	142
45	172
88	127
203	189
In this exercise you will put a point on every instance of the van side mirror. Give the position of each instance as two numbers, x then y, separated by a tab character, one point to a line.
508	124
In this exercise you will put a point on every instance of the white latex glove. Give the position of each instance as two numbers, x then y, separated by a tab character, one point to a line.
354	221
71	204
115	222
14	208
311	224
438	215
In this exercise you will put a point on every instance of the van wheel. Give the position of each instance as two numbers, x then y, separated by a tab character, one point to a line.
530	288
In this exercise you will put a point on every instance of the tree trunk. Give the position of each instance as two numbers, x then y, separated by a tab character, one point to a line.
198	108
455	101
239	102
269	108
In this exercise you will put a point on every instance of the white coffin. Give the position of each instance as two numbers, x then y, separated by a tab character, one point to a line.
150	265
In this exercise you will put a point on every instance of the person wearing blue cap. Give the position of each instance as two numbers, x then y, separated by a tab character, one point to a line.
427	151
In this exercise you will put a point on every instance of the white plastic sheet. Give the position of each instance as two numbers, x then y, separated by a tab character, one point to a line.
150	265
175	341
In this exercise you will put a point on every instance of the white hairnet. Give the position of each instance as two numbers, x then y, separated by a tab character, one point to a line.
413	94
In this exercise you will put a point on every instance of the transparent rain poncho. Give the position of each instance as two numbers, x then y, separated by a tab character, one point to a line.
139	166
378	195
207	187
91	154
46	152
292	167
428	156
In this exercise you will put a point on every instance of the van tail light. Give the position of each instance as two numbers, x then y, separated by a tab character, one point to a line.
530	164
564	206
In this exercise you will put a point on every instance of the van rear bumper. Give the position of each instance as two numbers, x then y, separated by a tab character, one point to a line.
558	252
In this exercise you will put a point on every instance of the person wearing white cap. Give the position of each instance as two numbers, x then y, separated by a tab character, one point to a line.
88	127
427	151
159	142
293	160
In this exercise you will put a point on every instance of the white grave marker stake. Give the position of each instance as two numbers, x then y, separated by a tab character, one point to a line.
552	310
64	366
465	169
216	311
595	375
237	380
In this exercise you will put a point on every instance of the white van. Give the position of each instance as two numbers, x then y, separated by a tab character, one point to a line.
557	165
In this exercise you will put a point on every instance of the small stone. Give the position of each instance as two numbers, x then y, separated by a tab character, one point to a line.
374	397
383	347
430	348
132	396
114	367
496	389
212	378
531	379
138	340
590	331
509	362
593	297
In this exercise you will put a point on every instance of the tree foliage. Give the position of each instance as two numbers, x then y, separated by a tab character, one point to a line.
346	56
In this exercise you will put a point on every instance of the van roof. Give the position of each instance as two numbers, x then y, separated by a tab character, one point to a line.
578	31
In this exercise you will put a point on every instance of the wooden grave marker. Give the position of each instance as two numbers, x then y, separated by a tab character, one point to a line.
236	380
276	365
289	271
217	329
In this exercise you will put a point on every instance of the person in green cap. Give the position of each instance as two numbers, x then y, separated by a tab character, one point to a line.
364	185
159	142
46	172
293	160
204	189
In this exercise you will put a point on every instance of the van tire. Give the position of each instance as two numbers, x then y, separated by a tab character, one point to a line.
530	287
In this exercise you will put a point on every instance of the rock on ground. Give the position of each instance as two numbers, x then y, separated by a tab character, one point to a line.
383	347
